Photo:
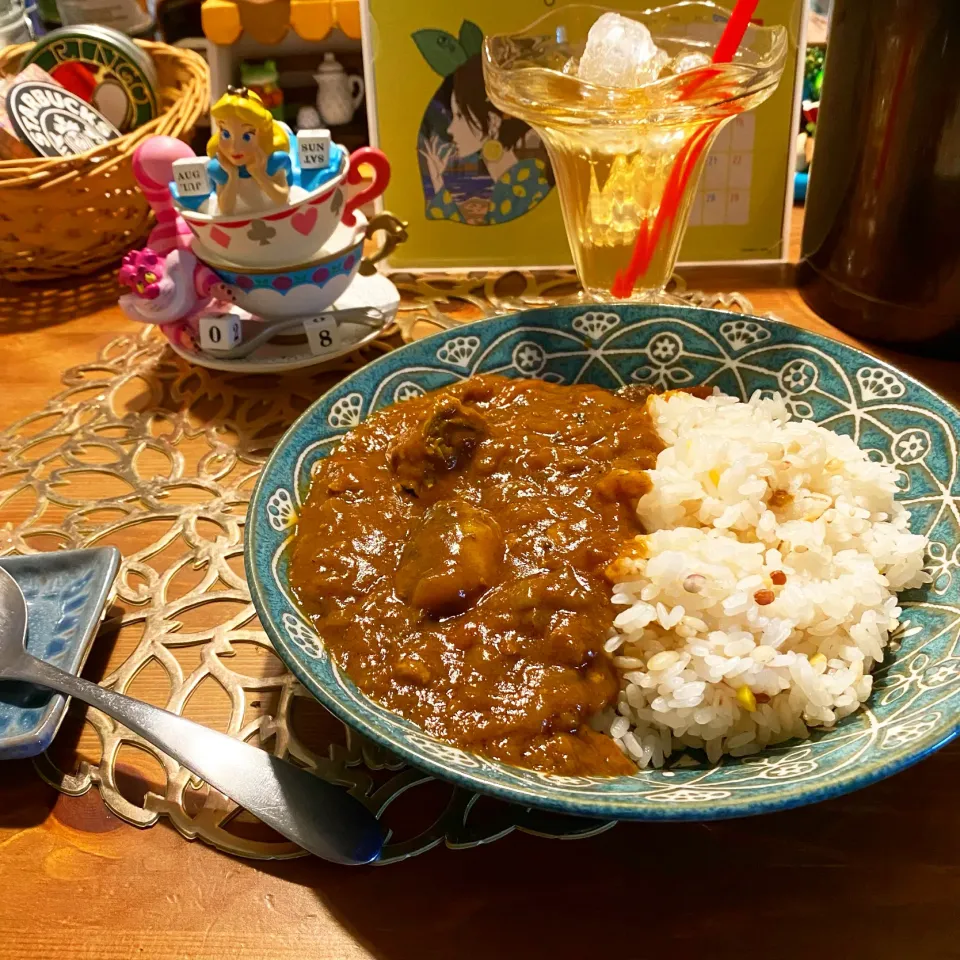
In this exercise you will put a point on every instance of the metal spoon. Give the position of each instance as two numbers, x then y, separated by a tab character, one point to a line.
362	316
322	818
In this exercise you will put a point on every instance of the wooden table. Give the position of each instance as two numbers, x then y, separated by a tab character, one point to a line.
876	873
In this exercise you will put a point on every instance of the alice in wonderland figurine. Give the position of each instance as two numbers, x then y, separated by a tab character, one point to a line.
249	153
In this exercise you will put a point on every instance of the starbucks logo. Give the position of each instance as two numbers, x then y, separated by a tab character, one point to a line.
54	122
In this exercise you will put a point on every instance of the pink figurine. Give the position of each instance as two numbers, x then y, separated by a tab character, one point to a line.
166	280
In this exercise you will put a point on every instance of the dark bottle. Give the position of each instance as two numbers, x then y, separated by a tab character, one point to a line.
881	235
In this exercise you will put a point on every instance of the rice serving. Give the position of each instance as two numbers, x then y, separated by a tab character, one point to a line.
765	589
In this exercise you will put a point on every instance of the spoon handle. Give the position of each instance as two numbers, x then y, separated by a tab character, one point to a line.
322	818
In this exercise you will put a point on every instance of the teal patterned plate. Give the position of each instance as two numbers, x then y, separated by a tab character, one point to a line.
914	706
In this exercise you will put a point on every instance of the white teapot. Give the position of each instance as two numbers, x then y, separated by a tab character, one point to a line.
338	93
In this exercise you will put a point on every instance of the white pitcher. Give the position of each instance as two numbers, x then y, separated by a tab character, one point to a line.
338	94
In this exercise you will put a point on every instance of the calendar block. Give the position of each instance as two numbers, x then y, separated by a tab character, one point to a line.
723	194
738	207
714	207
740	171
190	176
715	170
323	334
723	139
220	333
742	131
314	149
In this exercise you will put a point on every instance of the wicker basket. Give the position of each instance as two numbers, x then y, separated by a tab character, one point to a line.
73	216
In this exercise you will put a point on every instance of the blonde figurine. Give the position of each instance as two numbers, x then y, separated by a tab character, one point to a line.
249	153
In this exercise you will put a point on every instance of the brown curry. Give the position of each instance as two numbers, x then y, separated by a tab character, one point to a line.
451	553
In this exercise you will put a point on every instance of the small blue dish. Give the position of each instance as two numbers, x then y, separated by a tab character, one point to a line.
66	592
915	706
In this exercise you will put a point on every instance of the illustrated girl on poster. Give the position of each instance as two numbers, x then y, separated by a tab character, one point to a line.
478	166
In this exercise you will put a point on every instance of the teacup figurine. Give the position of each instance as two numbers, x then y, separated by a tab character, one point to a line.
249	153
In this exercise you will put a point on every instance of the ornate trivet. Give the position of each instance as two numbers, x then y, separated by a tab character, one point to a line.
142	448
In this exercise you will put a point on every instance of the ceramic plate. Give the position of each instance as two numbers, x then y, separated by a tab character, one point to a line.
914	707
65	592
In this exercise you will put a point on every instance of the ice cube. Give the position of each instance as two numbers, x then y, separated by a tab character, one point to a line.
691	60
620	52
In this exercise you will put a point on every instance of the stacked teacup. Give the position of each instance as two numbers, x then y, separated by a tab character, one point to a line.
259	241
288	261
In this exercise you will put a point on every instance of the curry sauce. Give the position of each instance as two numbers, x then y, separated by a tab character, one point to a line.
451	553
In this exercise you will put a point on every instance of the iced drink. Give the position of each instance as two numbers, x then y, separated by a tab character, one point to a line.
628	108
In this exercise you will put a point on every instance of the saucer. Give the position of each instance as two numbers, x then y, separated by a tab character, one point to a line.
376	293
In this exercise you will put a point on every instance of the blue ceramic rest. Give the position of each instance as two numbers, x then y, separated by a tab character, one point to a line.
65	592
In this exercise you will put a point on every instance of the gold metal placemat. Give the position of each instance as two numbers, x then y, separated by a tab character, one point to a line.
142	450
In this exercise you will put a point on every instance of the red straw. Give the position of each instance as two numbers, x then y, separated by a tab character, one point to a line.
686	160
734	30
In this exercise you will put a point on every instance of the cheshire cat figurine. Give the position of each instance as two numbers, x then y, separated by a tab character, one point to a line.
167	283
163	289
